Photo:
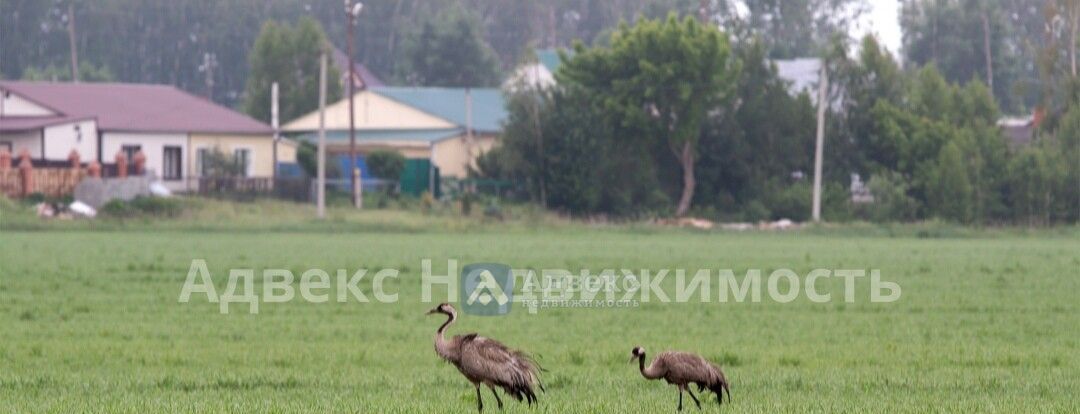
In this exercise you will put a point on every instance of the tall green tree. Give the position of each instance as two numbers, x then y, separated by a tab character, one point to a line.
800	28
448	50
971	39
288	55
661	78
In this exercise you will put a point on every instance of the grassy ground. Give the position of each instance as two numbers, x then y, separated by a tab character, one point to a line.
91	322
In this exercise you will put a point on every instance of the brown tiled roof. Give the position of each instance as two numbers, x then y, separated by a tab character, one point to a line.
137	107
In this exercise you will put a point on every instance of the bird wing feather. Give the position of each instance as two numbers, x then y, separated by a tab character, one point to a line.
489	360
683	367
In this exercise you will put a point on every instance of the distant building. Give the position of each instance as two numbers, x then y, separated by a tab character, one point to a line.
362	77
172	128
449	127
1019	131
538	72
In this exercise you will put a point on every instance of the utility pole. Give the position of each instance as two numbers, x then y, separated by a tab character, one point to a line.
207	68
320	185
275	125
819	147
71	42
352	12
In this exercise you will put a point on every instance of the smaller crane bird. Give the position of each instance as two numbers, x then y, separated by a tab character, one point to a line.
682	369
487	361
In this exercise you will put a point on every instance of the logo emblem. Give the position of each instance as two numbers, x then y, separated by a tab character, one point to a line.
487	289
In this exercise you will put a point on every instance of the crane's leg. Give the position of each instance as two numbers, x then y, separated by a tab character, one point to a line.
691	391
497	399
680	400
479	401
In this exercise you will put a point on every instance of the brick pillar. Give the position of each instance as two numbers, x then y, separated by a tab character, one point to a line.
73	158
121	164
140	163
26	173
5	160
94	169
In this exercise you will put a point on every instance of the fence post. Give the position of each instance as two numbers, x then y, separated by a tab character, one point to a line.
5	160
72	178
140	163
121	164
94	169
26	171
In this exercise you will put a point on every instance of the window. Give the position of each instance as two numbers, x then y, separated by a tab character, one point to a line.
6	145
242	157
201	155
129	151
172	161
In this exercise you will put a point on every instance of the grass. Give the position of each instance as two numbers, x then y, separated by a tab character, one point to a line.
90	321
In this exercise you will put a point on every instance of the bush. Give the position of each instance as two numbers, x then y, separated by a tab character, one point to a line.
143	207
891	199
387	165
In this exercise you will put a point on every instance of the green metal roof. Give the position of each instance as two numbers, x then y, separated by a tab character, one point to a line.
488	105
403	135
549	58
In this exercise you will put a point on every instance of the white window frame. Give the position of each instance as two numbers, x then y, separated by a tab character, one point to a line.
249	161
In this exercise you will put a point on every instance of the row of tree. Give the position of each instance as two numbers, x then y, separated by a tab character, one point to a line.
670	118
419	42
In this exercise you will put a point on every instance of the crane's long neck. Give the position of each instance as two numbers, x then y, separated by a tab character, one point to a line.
442	347
648	373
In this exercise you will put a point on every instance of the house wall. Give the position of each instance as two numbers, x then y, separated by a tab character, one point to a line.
15	105
453	156
373	111
261	147
61	139
417	150
153	145
29	140
286	151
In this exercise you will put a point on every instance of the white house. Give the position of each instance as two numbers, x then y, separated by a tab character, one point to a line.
172	128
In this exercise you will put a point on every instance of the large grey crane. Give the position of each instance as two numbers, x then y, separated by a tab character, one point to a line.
487	361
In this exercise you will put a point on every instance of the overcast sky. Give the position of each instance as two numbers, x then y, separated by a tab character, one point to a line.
884	20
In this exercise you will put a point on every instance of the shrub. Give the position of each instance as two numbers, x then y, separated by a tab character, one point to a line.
387	165
143	207
891	199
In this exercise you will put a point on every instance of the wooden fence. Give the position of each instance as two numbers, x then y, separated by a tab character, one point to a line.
50	182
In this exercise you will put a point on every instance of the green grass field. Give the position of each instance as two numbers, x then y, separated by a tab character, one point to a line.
91	323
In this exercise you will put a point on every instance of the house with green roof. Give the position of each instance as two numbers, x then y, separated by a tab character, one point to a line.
537	72
448	127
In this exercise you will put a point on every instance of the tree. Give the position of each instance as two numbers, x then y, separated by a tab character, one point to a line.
950	186
88	72
387	165
768	135
799	28
448	51
289	56
660	77
968	39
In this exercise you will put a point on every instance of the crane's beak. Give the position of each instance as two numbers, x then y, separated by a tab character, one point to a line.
433	311
632	358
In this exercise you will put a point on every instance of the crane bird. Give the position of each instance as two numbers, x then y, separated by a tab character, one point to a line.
682	369
487	361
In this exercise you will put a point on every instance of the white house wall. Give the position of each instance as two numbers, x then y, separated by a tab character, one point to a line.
15	105
28	140
153	146
61	139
